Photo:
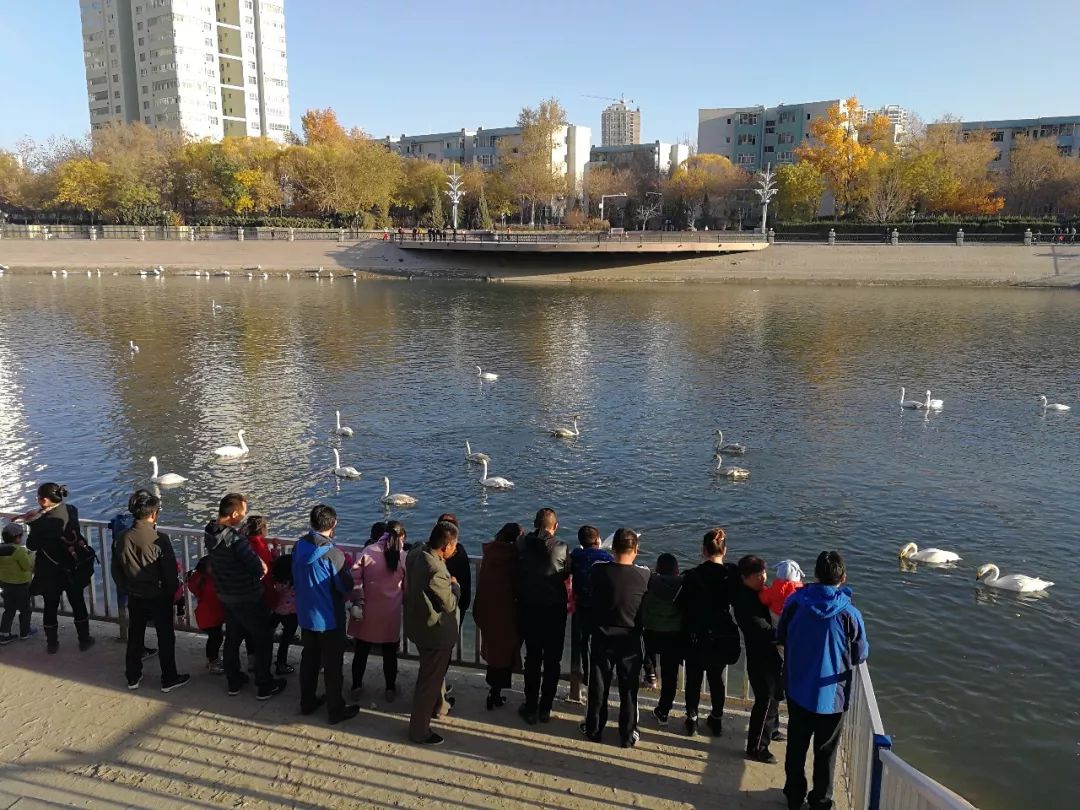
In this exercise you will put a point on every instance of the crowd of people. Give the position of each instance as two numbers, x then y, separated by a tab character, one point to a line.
802	641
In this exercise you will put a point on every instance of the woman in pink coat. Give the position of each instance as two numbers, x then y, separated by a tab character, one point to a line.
378	575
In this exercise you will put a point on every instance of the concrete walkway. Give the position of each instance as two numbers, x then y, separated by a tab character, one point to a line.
74	736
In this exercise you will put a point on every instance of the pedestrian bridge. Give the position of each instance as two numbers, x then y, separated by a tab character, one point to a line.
629	242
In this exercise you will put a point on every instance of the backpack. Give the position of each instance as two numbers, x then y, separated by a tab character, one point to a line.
120	523
80	568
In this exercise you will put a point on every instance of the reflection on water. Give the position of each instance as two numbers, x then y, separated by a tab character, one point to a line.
973	684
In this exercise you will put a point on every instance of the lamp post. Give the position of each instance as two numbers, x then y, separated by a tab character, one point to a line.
766	191
456	192
608	197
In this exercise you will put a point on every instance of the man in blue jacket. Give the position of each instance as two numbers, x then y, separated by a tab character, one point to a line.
321	580
824	640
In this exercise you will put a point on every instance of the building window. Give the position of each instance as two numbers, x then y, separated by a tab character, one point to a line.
770	149
746	160
117	108
116	77
146	105
729	120
787	117
1065	151
770	130
785	137
747	139
748	119
786	157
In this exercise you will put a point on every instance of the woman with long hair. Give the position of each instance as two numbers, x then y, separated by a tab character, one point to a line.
378	577
61	565
494	612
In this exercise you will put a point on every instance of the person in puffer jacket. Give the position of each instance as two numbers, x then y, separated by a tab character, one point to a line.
664	636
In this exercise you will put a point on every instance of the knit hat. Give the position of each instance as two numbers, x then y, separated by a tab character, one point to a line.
789	570
12	532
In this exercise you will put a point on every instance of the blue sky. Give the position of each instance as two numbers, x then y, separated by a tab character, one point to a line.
425	66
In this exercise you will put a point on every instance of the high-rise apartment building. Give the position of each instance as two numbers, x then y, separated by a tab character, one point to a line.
619	125
209	68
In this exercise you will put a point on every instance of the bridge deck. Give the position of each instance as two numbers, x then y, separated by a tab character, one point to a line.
637	242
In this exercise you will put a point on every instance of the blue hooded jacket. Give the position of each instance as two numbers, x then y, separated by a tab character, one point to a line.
824	639
321	580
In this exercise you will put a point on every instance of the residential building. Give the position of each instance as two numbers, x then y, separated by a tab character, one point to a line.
1065	130
896	114
208	68
619	125
656	157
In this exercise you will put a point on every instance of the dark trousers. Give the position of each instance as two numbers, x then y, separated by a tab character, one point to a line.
499	678
695	674
825	731
581	628
766	681
669	649
429	695
621	655
362	650
76	599
214	637
323	651
544	632
16	599
288	623
250	621
159	613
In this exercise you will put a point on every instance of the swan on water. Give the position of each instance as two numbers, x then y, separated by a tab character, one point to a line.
732	449
250	274
734	473
910	404
928	555
495	482
990	575
288	276
398	498
64	273
133	346
933	404
486	375
343	472
168	479
265	276
1052	406
215	306
339	430
54	273
89	274
476	458
231	450
567	433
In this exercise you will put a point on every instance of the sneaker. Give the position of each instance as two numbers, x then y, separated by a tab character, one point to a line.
526	715
7	638
215	667
348	713
284	669
762	755
650	682
135	684
631	741
449	705
661	718
432	739
778	736
584	730
320	701
275	688
86	643
715	725
32	631
181	680
691	726
52	647
390	695
148	652
449	690
234	689
544	716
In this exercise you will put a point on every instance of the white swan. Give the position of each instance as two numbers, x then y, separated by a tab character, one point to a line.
933	404
486	375
1052	406
495	481
398	498
343	472
231	450
288	276
928	555
476	458
168	479
990	575
910	404
566	433
133	346
734	473
215	307
732	449
339	430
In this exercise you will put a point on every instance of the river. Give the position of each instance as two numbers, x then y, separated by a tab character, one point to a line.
974	686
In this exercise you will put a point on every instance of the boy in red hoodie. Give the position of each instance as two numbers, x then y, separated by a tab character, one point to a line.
789	578
209	614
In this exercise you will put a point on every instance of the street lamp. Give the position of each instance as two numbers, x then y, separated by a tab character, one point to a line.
766	191
608	197
456	192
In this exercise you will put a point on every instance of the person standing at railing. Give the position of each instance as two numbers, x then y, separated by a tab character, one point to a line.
209	612
144	567
460	569
540	574
256	529
582	559
763	663
824	639
493	612
16	571
63	563
664	636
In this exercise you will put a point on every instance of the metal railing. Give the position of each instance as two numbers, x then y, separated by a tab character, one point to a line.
578	237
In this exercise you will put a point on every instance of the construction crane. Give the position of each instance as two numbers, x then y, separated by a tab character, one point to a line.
621	99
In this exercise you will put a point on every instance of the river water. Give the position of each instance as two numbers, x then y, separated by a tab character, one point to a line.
975	687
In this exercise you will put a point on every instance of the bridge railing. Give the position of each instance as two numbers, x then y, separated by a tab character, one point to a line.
578	237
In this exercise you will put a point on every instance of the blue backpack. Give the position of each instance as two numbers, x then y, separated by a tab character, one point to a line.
120	523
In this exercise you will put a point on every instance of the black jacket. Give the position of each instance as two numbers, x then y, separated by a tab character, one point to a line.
755	621
705	600
144	564
540	571
461	569
50	536
238	571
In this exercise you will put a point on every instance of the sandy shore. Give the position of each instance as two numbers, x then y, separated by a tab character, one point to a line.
74	736
973	265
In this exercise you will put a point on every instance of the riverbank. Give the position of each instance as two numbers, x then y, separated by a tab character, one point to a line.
76	737
901	265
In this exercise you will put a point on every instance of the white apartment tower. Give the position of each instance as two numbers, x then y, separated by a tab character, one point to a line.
210	68
619	125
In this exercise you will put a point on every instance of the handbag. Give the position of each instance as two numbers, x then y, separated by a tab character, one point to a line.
714	648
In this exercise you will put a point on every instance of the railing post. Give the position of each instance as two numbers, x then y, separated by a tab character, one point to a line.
832	236
960	238
341	234
1027	238
93	233
771	236
240	233
880	742
894	237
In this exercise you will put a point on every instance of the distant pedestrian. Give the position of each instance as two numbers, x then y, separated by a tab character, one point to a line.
618	590
378	577
582	560
664	636
494	614
322	581
824	639
144	567
763	664
16	571
541	571
431	601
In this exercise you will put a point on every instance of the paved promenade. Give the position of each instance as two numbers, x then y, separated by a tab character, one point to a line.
74	736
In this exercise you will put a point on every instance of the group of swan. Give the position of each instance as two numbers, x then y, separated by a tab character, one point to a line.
989	574
730	449
493	482
927	404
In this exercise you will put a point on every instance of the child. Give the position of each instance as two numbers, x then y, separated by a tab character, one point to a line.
581	561
763	663
16	571
789	578
209	614
284	610
256	529
664	639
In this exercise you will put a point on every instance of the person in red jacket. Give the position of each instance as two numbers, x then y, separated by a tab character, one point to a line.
209	614
257	528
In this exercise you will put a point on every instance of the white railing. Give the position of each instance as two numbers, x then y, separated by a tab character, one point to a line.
871	775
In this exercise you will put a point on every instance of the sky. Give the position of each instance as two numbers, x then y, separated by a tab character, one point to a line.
417	66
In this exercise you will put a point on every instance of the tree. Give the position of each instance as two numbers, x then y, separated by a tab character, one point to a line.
602	180
888	194
436	217
529	166
705	181
83	183
650	207
483	216
799	187
322	127
948	171
1039	180
13	180
415	192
